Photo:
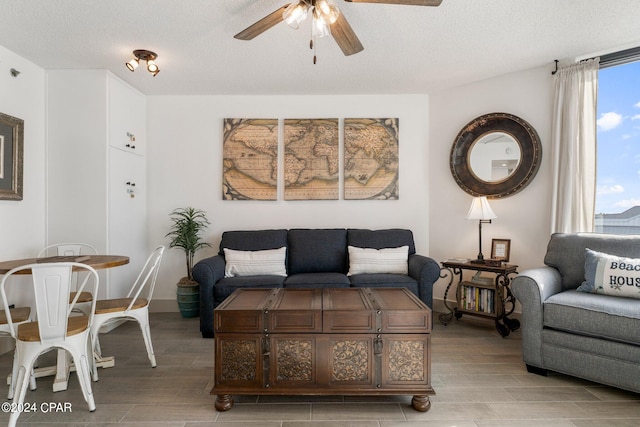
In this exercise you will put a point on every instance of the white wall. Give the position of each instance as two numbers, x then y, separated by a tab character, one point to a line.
524	217
22	223
185	169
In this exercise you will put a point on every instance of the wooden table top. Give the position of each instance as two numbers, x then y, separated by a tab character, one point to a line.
504	268
96	261
322	311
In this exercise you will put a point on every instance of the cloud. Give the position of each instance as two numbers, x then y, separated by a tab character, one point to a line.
626	204
636	117
637	105
610	189
610	120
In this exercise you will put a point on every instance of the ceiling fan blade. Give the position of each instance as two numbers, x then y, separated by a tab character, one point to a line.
345	36
407	2
262	25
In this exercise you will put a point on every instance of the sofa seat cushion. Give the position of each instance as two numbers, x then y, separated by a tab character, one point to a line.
384	280
225	286
595	315
317	280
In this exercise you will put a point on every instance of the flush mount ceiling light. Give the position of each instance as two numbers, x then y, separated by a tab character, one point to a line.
144	55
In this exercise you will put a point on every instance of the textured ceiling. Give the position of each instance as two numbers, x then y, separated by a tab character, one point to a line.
408	49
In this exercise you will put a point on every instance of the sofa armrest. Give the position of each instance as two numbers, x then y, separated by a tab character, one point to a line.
425	271
532	288
207	272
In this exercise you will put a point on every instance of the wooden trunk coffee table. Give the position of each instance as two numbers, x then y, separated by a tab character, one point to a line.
338	341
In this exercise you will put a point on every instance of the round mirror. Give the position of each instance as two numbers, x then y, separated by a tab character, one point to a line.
495	155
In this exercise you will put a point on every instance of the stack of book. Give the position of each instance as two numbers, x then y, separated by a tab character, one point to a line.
476	298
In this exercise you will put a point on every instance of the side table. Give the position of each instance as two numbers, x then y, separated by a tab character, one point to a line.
493	301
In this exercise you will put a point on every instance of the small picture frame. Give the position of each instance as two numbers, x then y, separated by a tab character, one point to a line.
500	249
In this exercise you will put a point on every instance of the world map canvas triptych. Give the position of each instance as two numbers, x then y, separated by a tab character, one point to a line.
311	159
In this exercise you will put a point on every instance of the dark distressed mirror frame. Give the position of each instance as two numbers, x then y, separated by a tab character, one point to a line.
520	130
12	146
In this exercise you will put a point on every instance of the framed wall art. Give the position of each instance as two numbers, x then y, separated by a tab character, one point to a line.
11	157
500	249
311	156
250	165
371	159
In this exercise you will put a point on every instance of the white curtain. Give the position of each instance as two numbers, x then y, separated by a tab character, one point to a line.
573	145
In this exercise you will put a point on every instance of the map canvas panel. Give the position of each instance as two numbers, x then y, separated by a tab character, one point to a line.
371	159
250	159
311	170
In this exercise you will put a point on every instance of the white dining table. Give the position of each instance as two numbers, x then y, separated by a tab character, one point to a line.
64	364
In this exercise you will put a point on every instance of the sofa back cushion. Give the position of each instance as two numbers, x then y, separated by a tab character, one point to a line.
317	250
380	239
566	252
253	240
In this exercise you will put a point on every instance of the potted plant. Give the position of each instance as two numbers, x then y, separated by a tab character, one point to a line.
187	226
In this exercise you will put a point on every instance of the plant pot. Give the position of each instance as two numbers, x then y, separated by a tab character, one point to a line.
188	297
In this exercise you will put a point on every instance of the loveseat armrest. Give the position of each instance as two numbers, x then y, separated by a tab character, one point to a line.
207	272
532	288
425	271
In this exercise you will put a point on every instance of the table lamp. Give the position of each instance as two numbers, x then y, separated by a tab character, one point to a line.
481	211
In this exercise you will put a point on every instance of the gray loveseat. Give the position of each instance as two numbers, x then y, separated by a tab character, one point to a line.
315	258
587	335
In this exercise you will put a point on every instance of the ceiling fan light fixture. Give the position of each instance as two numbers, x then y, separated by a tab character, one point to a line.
320	27
295	13
328	9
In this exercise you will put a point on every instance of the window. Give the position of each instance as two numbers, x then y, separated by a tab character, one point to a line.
618	157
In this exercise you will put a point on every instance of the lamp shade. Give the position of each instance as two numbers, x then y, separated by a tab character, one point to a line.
133	64
295	13
480	209
320	26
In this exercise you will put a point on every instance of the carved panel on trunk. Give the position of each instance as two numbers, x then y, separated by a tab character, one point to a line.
294	360
350	360
239	361
406	360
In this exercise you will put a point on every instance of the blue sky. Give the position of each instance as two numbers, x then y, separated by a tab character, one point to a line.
618	179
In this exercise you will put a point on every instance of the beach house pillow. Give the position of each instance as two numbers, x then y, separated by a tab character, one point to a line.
254	263
611	275
386	260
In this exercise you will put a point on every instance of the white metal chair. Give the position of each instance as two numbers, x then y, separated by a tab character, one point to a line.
77	250
19	315
133	307
55	328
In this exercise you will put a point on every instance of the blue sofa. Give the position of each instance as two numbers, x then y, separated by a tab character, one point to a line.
315	258
587	335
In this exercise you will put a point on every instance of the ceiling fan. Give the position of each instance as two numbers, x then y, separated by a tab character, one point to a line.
327	20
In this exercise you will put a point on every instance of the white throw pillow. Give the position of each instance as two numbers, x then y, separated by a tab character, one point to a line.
387	260
611	275
254	263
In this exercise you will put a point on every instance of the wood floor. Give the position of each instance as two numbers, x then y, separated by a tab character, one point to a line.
478	376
